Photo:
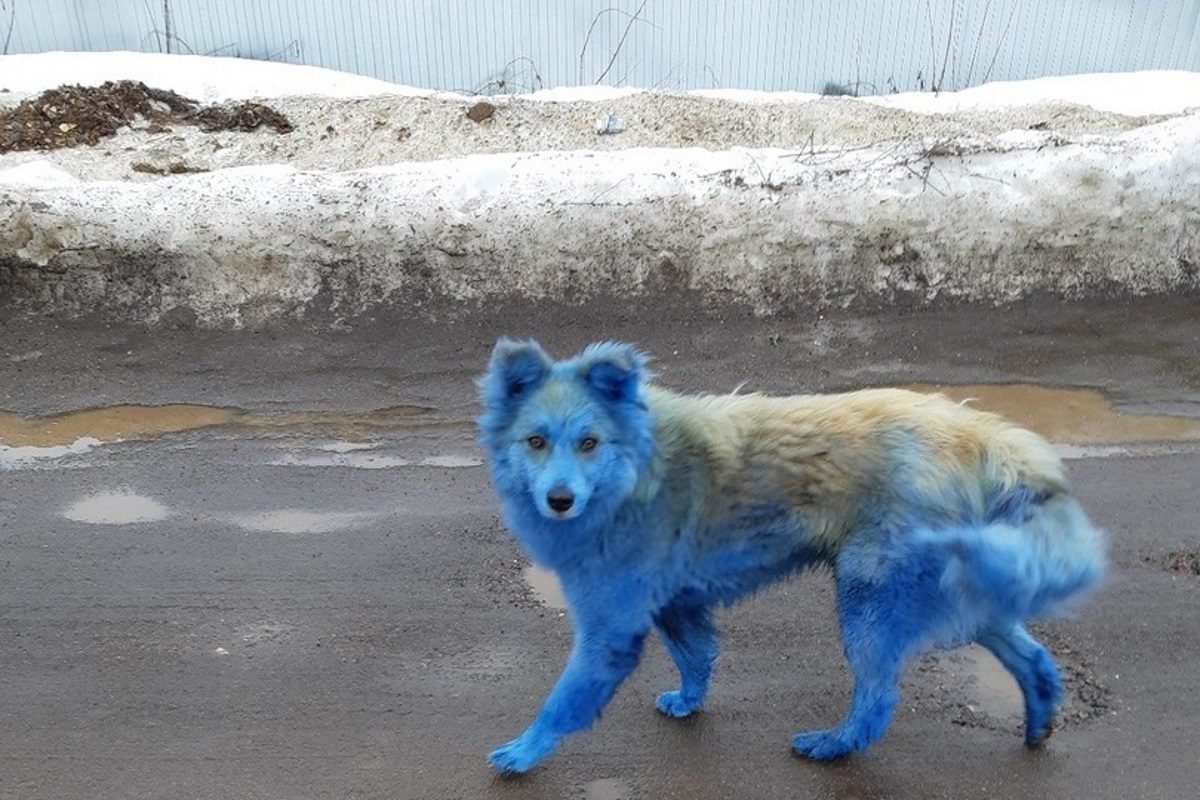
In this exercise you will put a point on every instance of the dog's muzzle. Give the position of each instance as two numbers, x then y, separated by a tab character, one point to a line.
560	500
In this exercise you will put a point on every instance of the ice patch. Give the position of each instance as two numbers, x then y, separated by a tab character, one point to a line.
296	520
353	460
451	462
348	447
360	460
25	456
116	508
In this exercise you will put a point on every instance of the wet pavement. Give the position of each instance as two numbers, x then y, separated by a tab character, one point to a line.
267	564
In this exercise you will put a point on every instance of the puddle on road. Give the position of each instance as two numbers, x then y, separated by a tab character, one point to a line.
1065	415
109	424
124	422
545	587
981	681
116	508
1069	415
296	520
607	789
996	690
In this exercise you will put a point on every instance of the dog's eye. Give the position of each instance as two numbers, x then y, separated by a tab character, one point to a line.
588	444
536	442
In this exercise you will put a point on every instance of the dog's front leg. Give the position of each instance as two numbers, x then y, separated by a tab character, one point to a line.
599	661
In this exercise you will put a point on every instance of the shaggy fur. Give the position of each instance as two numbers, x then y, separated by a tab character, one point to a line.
943	525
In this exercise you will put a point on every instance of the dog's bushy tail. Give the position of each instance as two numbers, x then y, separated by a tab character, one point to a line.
1035	567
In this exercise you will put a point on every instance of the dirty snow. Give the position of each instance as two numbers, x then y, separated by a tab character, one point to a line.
385	193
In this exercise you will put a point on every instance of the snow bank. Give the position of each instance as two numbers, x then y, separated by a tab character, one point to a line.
985	213
208	79
215	79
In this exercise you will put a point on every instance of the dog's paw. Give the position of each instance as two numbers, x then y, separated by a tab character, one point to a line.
1038	731
820	745
1039	716
674	704
517	757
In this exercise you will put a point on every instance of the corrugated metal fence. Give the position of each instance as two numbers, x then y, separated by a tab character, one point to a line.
872	46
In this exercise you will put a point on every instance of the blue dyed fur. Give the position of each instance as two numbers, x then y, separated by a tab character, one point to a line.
943	525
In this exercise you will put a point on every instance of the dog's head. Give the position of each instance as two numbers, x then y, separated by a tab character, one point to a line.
566	437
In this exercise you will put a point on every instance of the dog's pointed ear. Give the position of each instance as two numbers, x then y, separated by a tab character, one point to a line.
515	369
614	370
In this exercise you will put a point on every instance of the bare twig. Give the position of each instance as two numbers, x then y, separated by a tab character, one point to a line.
230	47
625	75
987	75
505	81
978	37
941	81
932	43
166	12
588	37
293	45
658	84
12	21
187	46
621	42
765	181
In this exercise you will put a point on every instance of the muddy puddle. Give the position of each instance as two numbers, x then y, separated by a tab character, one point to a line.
988	687
126	422
1062	415
1070	415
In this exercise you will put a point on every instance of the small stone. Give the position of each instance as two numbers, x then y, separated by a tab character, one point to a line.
481	111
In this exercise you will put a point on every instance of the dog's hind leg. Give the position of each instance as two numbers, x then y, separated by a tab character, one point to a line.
890	604
599	661
690	637
1033	667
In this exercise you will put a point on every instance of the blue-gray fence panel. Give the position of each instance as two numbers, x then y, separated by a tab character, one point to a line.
872	46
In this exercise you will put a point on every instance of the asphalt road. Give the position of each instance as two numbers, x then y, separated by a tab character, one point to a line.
296	586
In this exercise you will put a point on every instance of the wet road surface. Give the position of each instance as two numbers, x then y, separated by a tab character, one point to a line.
285	578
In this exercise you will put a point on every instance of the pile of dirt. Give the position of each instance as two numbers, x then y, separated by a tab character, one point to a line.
1184	562
74	115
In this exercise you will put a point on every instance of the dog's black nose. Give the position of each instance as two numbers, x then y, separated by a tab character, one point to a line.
560	500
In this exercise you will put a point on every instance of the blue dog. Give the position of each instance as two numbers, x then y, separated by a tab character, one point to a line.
943	525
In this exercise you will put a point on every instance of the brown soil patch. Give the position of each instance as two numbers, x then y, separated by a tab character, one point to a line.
75	115
1184	562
